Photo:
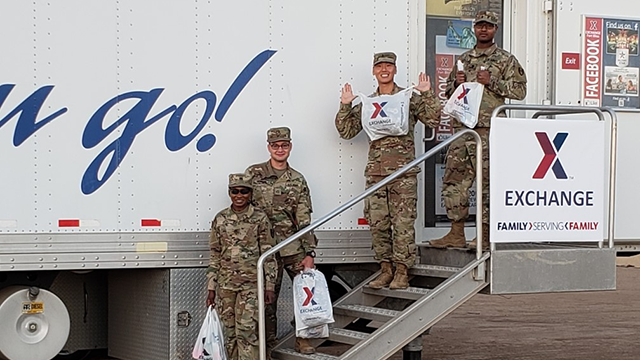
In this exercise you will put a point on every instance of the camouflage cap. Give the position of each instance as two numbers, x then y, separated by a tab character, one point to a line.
384	57
278	134
239	180
486	16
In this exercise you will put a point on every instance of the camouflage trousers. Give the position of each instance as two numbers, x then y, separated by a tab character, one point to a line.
239	315
391	212
292	265
460	173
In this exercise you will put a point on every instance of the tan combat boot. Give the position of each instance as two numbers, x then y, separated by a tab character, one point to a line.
401	279
485	238
455	237
385	276
303	346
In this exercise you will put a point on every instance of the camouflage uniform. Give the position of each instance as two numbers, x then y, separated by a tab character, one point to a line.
237	241
508	80
287	202
391	211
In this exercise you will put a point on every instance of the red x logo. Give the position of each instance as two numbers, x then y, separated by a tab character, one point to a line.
309	298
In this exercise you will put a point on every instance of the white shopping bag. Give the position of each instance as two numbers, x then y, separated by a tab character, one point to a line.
464	104
210	342
315	332
386	115
311	300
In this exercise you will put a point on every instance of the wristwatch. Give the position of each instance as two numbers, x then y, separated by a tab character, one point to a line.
311	253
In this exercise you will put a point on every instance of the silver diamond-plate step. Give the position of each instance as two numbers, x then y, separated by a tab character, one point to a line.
345	336
433	270
410	293
291	354
365	312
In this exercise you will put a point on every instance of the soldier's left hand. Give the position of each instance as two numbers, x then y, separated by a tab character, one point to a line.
424	83
269	296
307	263
483	77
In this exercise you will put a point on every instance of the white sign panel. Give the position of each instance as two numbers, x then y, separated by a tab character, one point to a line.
547	180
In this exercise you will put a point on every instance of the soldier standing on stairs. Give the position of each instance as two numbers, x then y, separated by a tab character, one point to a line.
502	77
283	193
391	211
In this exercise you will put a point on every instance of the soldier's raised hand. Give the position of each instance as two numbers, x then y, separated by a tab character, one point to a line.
347	94
424	82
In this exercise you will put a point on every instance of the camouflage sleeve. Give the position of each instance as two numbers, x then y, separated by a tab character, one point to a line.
303	216
266	242
451	81
513	84
426	108
348	120
214	258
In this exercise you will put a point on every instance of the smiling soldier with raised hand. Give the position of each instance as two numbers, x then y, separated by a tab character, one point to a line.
392	210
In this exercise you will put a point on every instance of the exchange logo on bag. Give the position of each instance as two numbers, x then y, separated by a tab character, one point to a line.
463	94
378	110
309	298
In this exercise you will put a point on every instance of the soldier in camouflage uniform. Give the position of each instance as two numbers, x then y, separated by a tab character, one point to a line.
239	235
283	194
391	211
502	77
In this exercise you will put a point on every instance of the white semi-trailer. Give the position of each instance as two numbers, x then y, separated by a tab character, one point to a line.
120	121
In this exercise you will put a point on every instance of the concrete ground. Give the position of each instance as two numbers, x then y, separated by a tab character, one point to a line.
562	326
586	326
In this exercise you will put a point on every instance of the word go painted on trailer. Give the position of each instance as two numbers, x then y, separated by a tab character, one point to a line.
135	121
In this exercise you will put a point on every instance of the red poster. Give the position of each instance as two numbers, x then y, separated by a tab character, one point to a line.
444	65
592	60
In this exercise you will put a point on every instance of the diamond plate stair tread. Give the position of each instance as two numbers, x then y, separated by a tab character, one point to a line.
291	354
410	293
433	270
366	312
345	336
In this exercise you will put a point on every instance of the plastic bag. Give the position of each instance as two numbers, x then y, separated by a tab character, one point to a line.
311	300
464	104
386	115
210	342
315	332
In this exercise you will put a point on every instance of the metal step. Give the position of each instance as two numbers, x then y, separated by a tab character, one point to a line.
433	270
365	312
410	293
291	354
345	336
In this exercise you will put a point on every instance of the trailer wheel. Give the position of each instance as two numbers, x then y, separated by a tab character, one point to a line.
35	324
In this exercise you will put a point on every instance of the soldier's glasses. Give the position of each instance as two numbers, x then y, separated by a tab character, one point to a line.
284	146
484	25
243	191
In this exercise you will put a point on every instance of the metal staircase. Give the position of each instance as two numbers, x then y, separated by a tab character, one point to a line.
399	315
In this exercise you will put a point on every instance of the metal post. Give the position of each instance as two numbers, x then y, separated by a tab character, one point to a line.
413	350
